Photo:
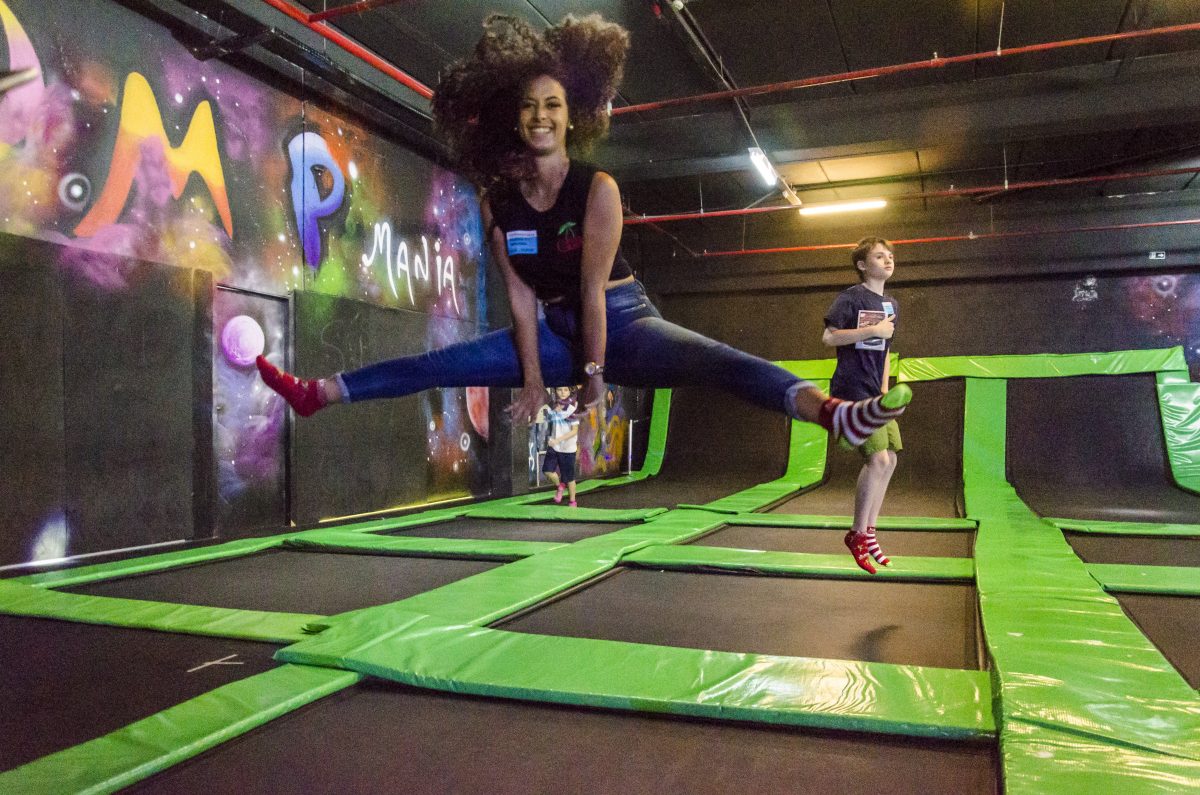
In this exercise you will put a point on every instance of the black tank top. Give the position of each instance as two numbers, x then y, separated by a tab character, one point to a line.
546	248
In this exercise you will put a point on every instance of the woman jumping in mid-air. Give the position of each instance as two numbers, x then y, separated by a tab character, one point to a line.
509	113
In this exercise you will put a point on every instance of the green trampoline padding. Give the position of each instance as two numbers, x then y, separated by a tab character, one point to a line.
371	544
845	522
564	513
1165	580
141	749
431	652
800	564
1083	695
1099	527
25	600
169	560
1179	407
1043	365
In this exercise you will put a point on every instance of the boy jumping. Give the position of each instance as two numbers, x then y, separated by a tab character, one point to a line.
860	324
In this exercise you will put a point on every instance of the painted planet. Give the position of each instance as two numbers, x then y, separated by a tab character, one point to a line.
477	409
242	340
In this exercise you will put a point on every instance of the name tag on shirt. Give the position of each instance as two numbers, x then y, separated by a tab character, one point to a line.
522	241
888	309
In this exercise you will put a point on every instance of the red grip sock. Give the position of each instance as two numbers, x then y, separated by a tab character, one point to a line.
304	395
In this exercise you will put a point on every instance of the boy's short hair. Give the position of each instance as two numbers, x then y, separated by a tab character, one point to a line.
863	248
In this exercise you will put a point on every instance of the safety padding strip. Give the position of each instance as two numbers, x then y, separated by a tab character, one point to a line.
807	450
1085	701
1044	365
1179	408
435	653
25	600
151	563
153	744
1165	580
564	513
1098	527
799	564
492	595
817	522
412	546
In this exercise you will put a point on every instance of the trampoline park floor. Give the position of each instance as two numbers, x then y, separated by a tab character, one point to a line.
659	638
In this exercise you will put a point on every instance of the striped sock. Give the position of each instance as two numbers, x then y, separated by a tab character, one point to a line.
873	548
858	420
304	395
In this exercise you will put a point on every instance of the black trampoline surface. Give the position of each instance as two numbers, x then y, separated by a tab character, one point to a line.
293	582
383	737
716	446
63	683
1144	550
504	530
1172	623
928	477
929	624
950	544
1091	447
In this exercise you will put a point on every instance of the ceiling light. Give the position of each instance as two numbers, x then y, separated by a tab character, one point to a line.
763	165
842	207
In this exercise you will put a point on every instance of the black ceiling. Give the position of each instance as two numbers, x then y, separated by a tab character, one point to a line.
1122	106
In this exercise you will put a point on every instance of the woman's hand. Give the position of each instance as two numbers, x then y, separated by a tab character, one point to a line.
529	401
593	393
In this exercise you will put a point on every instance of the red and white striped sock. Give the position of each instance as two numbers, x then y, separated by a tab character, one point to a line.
304	395
858	420
873	548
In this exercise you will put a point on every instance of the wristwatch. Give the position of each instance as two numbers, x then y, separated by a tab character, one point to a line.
591	368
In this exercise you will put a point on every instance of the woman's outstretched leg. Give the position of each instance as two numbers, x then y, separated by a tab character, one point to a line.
490	360
650	351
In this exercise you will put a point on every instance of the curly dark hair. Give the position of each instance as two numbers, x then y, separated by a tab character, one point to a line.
476	103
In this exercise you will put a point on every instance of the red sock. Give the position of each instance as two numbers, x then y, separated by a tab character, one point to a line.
857	544
304	395
873	548
855	420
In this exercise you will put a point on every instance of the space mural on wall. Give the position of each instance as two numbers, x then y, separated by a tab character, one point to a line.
127	145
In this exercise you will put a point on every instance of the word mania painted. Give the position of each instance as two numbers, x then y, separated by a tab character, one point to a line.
399	265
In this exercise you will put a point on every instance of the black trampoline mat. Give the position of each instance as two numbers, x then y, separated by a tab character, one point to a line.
716	446
382	737
928	477
952	544
63	683
293	582
1091	447
929	624
1172	623
1138	550
514	530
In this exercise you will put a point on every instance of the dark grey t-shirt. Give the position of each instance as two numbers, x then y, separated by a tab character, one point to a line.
859	373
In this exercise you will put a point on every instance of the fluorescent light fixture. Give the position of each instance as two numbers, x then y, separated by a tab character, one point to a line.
763	165
842	207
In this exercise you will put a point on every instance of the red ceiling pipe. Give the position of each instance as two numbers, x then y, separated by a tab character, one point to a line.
352	47
932	194
956	238
913	66
353	8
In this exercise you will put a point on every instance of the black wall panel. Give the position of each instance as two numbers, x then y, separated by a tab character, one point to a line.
128	413
31	406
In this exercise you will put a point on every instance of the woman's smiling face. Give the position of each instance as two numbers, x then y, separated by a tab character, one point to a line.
544	117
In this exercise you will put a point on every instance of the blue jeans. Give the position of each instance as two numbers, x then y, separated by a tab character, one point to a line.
643	350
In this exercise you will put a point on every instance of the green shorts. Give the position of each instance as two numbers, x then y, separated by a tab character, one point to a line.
886	438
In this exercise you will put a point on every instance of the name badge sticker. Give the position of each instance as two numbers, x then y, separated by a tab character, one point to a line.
522	241
888	309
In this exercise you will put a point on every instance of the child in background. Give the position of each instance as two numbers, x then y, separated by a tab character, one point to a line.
562	443
860	324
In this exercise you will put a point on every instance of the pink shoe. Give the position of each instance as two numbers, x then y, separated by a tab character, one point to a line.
574	504
558	493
